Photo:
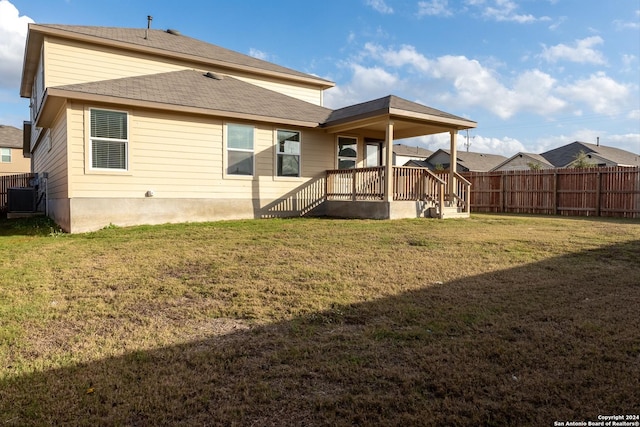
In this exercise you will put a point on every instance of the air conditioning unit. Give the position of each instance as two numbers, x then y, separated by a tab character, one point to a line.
21	199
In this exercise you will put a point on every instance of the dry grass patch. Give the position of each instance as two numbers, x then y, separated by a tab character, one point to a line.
495	320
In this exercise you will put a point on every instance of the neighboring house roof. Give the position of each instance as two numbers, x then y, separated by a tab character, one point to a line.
419	164
390	105
158	42
535	158
197	92
563	156
10	137
474	162
407	151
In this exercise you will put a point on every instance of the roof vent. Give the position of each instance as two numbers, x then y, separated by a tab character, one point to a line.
174	32
214	76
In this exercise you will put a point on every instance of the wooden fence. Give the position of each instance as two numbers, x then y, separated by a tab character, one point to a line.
8	181
613	192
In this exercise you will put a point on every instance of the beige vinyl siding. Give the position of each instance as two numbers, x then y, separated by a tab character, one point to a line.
19	163
182	157
311	95
70	62
54	161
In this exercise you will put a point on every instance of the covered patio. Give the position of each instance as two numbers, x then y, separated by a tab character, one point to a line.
386	191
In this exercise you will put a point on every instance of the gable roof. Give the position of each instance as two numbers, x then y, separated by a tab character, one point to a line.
565	155
158	42
10	137
534	157
196	92
407	151
474	162
393	105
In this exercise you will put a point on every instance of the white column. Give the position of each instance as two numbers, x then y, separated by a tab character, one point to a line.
453	163
388	164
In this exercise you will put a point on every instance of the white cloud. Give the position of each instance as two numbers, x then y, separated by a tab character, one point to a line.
600	92
634	115
258	54
466	82
380	6
13	33
479	144
366	84
505	10
581	52
434	8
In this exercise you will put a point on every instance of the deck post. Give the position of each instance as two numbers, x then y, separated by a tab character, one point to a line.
388	164
453	164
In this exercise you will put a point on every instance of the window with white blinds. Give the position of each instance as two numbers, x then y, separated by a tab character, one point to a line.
109	139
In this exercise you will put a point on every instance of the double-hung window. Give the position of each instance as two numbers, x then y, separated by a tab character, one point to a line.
5	155
288	153
239	149
109	139
347	152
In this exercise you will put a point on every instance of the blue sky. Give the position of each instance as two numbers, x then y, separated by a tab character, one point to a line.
534	74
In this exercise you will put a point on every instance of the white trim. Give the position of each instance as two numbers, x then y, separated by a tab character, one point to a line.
225	149
337	149
278	154
90	142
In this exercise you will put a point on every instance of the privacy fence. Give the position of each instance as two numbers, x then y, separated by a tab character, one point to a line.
612	192
9	181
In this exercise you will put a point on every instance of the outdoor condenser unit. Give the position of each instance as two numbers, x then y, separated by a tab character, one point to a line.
21	199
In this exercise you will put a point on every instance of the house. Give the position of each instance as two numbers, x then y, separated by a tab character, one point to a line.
524	161
467	161
403	153
141	126
12	161
565	157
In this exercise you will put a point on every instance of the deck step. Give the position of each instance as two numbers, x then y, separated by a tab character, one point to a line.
449	212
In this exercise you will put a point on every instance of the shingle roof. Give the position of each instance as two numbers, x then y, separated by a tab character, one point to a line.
180	44
190	88
476	162
386	105
10	137
405	150
565	155
535	157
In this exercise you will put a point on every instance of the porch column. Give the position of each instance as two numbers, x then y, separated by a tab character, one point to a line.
388	164
453	163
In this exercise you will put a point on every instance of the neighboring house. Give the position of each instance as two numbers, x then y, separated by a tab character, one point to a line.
12	160
565	157
524	161
133	126
467	161
404	153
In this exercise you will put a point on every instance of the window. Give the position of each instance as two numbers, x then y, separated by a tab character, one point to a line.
239	150
347	152
5	154
109	139
288	153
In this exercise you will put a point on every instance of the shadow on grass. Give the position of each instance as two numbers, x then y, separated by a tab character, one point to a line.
34	226
554	340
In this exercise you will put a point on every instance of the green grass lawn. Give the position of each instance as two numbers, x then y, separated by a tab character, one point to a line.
496	320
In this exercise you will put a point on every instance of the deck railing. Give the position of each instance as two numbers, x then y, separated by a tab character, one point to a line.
356	184
368	184
462	193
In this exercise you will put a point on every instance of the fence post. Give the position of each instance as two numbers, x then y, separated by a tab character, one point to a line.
555	192
503	192
598	192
